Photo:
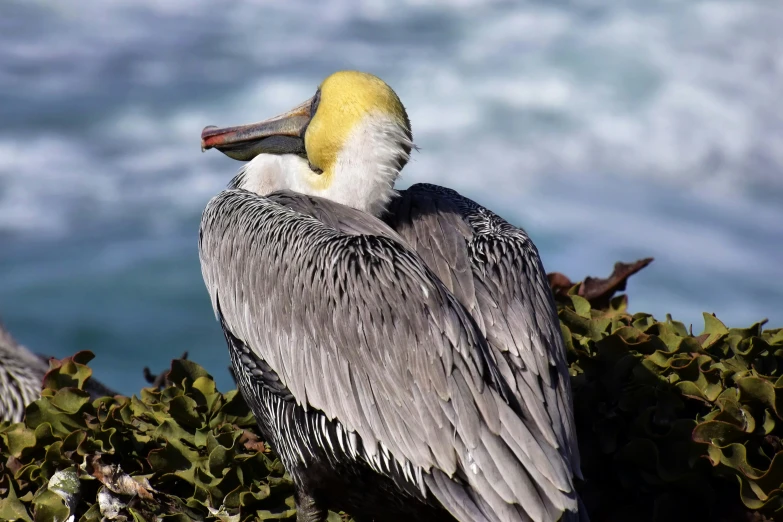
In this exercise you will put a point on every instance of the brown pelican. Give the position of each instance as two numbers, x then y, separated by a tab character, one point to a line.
21	377
400	351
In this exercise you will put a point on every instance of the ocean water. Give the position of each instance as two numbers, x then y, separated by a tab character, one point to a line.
609	130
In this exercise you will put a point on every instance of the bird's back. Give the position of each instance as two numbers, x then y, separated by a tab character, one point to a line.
21	374
21	377
494	270
371	346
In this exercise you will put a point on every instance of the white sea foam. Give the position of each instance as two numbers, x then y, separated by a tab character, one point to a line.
529	106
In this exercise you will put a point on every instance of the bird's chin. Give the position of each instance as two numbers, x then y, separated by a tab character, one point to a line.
278	145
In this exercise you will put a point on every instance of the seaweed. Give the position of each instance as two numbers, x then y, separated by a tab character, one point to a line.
672	425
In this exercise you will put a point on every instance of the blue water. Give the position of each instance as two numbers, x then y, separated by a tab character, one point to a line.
609	130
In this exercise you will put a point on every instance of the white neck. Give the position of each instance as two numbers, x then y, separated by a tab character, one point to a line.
362	177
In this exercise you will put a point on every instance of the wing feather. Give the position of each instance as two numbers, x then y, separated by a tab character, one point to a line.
494	270
357	326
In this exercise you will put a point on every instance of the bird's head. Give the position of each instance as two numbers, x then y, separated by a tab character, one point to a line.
347	143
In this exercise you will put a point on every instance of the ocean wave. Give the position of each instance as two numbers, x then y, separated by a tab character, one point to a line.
621	129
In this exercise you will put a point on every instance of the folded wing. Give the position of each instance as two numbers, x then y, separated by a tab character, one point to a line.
357	326
494	270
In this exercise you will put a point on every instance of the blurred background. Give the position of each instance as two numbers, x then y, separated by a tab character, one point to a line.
610	130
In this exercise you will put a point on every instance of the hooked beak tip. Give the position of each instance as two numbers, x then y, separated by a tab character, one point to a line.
207	133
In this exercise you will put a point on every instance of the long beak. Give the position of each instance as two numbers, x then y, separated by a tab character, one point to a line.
283	134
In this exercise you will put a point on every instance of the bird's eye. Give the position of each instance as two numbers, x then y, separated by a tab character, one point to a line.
314	168
316	101
313	108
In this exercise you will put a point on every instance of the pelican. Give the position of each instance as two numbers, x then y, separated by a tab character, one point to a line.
400	350
21	376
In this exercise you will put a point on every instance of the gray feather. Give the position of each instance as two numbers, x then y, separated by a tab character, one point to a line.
357	325
21	378
510	299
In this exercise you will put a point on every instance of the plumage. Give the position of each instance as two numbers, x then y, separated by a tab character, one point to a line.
21	378
504	287
402	354
21	375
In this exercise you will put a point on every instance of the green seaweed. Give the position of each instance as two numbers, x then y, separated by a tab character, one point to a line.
192	452
672	426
